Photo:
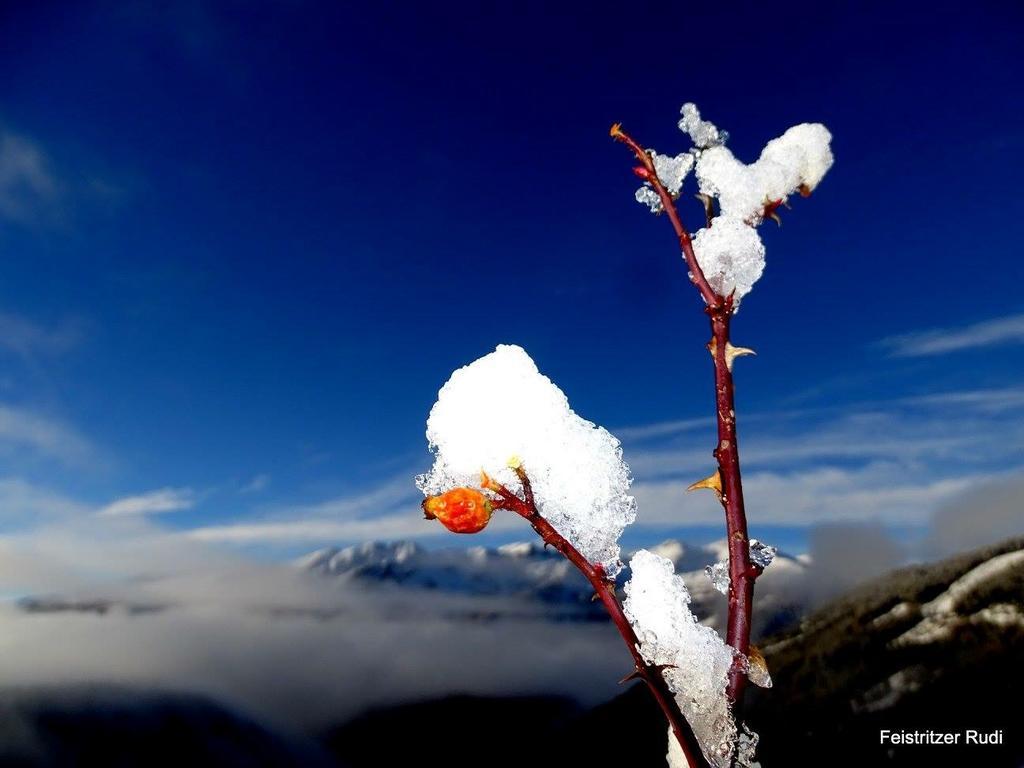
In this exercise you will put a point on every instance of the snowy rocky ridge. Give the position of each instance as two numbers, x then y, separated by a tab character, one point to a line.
940	644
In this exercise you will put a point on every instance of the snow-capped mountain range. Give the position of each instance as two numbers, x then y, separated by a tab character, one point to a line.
528	571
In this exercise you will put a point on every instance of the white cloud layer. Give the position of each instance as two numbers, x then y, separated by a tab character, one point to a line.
299	651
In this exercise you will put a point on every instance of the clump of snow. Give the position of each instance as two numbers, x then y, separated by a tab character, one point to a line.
739	191
804	151
501	408
761	554
672	171
798	158
658	606
731	256
702	133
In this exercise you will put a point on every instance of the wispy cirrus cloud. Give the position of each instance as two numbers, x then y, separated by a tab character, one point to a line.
388	510
45	436
934	427
879	492
893	461
941	341
28	184
25	430
25	503
663	428
30	340
38	192
392	492
256	484
153	502
986	400
408	525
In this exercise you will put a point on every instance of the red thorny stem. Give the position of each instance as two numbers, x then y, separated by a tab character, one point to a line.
742	572
604	588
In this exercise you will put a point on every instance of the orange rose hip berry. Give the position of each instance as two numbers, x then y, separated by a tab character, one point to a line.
460	510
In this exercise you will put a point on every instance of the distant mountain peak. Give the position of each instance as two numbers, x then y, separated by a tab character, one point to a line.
336	560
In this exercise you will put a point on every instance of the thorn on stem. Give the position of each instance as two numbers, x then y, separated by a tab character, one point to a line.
770	210
711	482
636	674
709	207
731	353
757	668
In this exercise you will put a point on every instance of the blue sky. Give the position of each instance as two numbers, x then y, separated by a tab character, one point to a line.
243	247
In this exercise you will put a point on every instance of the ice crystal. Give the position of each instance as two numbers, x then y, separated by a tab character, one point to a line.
702	133
761	554
499	408
719	576
672	171
647	196
746	746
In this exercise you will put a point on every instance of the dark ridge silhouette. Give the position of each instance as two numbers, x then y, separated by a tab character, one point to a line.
118	728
